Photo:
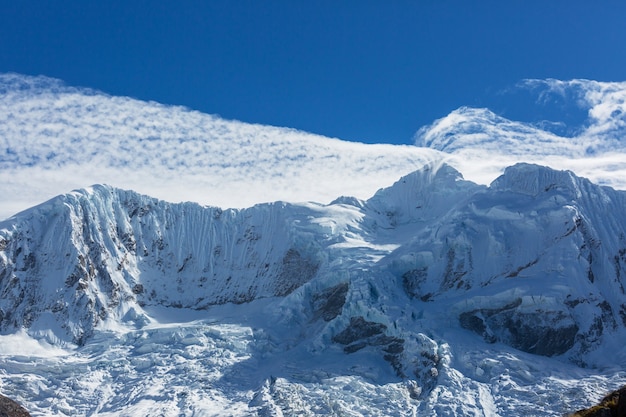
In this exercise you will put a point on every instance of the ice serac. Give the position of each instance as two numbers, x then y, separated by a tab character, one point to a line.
410	287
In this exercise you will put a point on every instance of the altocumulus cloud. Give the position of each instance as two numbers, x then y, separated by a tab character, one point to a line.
56	138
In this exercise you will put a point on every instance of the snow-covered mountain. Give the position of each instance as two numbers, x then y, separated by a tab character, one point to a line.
436	296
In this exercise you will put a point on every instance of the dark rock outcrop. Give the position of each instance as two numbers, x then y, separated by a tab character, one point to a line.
540	332
361	333
9	408
612	405
329	303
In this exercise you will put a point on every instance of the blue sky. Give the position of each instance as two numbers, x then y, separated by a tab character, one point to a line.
369	71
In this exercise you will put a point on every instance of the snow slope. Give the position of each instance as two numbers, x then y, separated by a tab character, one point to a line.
436	296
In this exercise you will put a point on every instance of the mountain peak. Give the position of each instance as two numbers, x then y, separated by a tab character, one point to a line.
532	179
422	193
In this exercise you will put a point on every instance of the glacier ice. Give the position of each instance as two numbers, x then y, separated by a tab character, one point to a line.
436	296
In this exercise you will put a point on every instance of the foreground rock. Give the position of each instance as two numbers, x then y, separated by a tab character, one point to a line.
612	405
9	408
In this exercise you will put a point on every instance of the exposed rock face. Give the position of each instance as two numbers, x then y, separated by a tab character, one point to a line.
9	408
361	333
537	331
419	360
612	405
329	303
296	271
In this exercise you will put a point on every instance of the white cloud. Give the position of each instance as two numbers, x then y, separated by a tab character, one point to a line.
55	139
605	103
481	144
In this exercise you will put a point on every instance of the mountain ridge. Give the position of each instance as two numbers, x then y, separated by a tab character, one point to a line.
129	241
405	290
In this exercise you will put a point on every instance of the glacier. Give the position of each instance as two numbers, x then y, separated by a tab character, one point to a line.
435	296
